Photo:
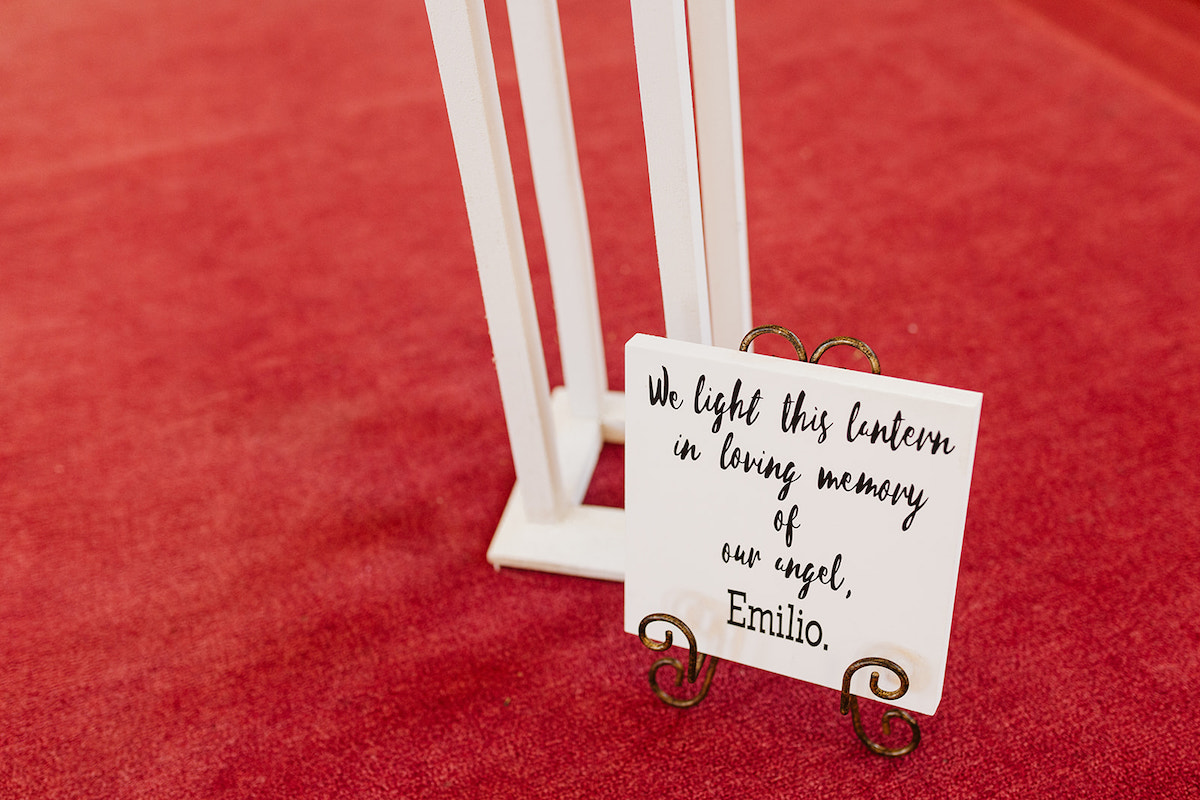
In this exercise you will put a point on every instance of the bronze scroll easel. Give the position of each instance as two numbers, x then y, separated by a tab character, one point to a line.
700	663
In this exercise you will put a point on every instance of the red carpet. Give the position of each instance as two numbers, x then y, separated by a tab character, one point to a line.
252	452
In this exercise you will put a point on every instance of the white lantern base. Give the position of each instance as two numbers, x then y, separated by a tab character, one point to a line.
587	541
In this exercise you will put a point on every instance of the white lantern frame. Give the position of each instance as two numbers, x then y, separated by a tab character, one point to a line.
692	121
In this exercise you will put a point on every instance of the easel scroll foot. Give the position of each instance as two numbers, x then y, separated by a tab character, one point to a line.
850	706
700	667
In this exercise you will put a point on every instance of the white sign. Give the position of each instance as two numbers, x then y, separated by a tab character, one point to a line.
796	517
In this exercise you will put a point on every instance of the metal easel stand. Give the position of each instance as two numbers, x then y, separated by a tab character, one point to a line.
699	663
701	668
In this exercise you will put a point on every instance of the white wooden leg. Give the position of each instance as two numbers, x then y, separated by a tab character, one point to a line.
464	55
713	34
588	541
660	43
546	104
556	438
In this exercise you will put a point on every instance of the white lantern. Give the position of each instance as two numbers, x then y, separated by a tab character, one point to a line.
556	437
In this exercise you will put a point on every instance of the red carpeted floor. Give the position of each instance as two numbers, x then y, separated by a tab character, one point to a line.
252	451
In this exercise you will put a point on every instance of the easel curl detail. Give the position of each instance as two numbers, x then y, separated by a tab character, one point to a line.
801	353
850	706
697	662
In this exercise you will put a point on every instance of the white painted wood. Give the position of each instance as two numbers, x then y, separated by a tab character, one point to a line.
612	418
661	47
556	438
550	130
587	541
468	73
713	33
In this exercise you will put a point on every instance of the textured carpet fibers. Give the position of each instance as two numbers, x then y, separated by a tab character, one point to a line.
251	444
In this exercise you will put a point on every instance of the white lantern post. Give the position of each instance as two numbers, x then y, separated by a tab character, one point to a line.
556	437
